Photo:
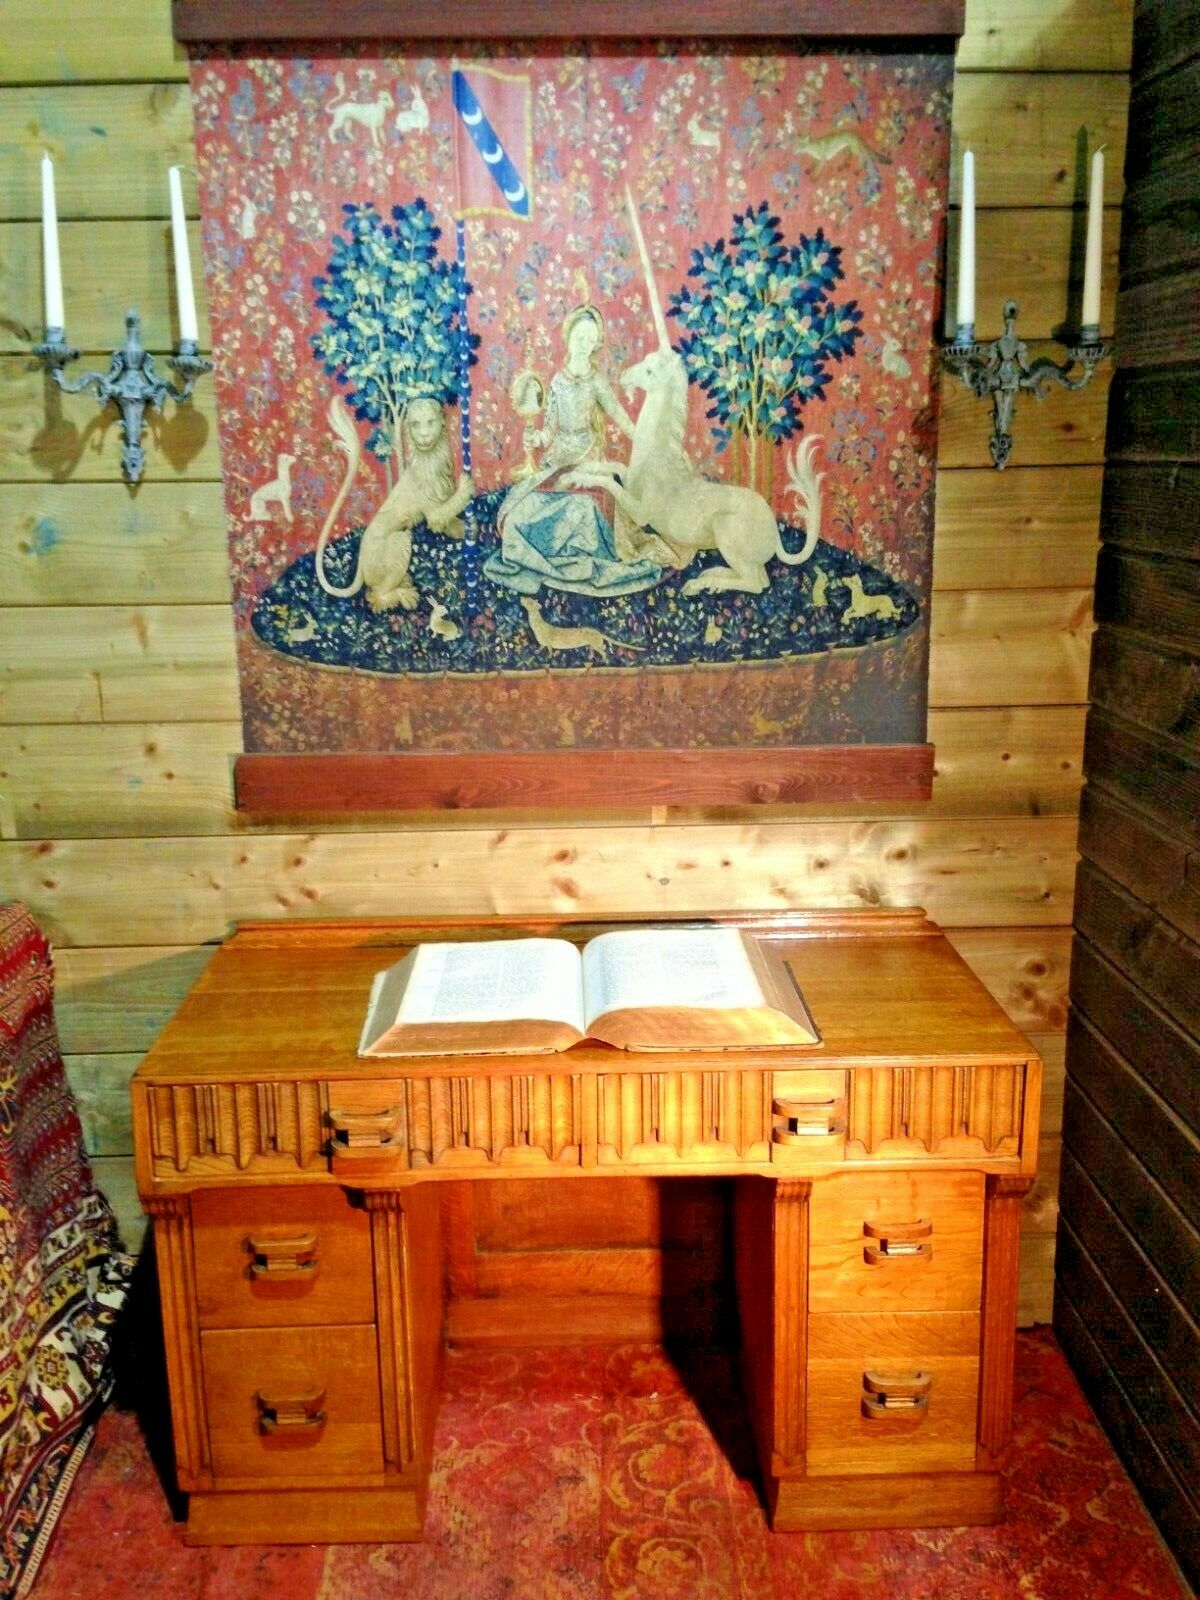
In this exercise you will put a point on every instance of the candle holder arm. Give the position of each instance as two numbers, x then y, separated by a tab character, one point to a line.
1002	369
131	383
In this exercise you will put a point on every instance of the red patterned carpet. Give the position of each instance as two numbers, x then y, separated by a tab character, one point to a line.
584	1474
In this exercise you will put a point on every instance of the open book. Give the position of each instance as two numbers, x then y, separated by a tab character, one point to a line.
644	989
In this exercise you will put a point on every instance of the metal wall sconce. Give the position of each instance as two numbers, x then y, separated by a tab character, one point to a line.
1002	369
131	382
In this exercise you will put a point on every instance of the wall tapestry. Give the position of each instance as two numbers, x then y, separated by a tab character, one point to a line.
576	397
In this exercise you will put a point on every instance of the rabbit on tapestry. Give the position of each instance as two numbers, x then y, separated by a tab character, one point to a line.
427	491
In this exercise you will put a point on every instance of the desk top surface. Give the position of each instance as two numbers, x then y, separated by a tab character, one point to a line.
287	1000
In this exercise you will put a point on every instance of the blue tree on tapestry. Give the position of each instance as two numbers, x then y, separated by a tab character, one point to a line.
762	328
391	305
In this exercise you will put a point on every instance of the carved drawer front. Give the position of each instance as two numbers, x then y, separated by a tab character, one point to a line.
270	1257
892	1393
903	1241
287	1403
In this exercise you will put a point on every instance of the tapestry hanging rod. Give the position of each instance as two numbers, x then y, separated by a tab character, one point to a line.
245	21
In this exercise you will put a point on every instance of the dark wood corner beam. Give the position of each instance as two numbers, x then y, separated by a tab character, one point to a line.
245	21
281	785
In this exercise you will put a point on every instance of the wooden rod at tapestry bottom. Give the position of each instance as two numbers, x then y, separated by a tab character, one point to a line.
277	784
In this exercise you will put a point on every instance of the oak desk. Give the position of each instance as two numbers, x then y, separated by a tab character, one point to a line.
296	1193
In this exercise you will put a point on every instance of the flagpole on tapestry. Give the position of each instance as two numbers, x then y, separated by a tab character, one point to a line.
470	526
493	147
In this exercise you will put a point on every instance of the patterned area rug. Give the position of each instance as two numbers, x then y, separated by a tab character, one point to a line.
613	1474
62	1276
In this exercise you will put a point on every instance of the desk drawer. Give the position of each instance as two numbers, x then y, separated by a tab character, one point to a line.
890	1394
292	1402
271	1257
896	1241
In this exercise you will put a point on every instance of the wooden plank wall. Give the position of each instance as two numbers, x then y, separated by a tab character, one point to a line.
118	697
1127	1301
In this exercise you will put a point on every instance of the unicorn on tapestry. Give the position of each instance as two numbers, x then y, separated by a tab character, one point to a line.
659	488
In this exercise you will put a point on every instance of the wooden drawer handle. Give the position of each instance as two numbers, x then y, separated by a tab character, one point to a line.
895	1396
276	1259
279	1412
366	1130
898	1241
798	1120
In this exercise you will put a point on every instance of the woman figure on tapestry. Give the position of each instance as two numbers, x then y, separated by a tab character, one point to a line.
561	537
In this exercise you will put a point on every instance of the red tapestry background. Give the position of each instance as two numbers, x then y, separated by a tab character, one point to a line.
838	160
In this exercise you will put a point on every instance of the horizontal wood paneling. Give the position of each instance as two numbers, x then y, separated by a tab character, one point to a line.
1157	689
1035	642
1167	1059
103	41
111	147
1159	597
1161	960
1028	130
1064	429
1172	1244
138	271
1026	969
1036	259
1166	113
120	999
1160	775
1164	1143
1133	850
1166	1324
1158	322
117	663
1042	35
103	544
1161	217
100	1085
1155	414
48	435
90	780
1154	1397
1167	32
1152	506
1004	871
1024	528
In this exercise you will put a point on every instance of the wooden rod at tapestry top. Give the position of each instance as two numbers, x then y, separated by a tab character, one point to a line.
216	21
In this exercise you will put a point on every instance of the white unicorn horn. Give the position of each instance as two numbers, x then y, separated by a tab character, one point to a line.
660	322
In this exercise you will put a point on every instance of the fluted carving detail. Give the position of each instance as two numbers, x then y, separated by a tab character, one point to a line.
242	1127
965	1110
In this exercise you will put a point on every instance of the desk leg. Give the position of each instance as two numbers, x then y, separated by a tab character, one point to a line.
406	1238
771	1270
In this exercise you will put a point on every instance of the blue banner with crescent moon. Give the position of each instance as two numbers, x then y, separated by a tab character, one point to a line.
494	114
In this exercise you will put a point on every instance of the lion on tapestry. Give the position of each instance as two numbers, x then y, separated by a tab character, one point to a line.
426	491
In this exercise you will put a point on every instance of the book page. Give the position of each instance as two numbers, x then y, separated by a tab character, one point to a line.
672	967
500	980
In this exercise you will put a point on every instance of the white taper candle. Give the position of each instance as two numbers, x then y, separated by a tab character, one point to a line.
51	264
183	263
966	244
1095	230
